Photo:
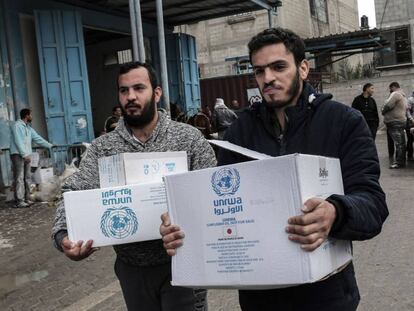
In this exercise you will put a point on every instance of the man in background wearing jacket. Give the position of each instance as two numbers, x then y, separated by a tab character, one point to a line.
294	119
223	117
20	152
366	104
395	118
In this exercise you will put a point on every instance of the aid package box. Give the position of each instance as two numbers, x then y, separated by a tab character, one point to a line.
234	219
128	206
115	215
140	167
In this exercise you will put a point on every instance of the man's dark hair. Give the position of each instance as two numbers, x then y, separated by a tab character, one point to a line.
24	112
394	84
367	85
292	42
127	67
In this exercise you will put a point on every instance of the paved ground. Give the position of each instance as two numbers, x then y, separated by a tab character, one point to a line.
34	276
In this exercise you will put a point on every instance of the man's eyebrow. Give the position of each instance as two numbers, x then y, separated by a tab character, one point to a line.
133	86
277	62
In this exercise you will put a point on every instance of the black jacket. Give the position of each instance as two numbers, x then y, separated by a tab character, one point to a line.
368	108
327	128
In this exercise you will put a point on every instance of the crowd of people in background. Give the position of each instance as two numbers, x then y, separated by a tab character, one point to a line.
212	125
398	116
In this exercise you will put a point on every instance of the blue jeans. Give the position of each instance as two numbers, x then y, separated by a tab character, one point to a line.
397	132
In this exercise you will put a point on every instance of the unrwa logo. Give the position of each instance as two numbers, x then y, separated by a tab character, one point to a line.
119	223
225	181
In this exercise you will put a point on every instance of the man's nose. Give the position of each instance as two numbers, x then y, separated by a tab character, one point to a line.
131	93
268	75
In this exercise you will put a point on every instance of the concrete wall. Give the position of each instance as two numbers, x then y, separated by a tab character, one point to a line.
218	39
396	13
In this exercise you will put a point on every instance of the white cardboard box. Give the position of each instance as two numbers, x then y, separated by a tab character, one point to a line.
234	218
116	215
34	159
140	167
42	175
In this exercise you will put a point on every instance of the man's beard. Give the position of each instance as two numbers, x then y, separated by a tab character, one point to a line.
292	93
147	114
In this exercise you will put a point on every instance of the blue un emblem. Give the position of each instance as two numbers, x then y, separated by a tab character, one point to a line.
225	181
119	222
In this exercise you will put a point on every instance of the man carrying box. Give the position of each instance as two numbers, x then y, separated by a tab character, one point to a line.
293	119
142	268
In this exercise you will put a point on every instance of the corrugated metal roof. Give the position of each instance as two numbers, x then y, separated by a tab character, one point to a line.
179	12
354	40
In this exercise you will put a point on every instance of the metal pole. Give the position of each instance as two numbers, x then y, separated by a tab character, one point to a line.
133	30
139	30
270	15
163	56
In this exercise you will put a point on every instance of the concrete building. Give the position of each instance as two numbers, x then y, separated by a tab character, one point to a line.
395	20
221	42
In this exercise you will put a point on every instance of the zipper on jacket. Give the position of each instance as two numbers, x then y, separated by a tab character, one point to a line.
282	142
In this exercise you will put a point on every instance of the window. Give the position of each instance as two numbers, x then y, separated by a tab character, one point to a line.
319	10
124	56
400	47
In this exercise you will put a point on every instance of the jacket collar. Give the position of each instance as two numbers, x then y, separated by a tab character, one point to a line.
125	132
308	101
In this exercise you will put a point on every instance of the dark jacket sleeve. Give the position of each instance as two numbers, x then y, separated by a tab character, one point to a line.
363	208
355	103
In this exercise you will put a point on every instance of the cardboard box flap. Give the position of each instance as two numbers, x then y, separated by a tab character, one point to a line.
140	167
241	150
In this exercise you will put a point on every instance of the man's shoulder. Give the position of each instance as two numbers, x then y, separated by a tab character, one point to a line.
182	129
333	107
358	97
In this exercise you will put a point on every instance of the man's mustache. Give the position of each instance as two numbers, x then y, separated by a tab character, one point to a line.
266	85
131	104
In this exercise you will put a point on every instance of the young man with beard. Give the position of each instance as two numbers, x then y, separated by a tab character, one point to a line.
142	268
291	119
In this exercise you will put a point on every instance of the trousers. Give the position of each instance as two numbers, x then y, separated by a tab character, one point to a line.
149	289
21	178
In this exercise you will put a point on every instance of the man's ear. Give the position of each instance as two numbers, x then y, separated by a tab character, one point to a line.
304	69
157	94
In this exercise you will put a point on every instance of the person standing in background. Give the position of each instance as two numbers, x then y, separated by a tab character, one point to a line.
366	104
223	117
112	121
23	135
395	118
